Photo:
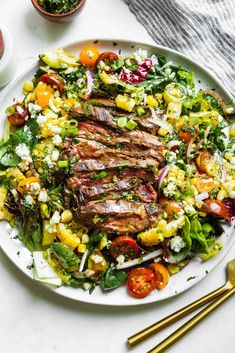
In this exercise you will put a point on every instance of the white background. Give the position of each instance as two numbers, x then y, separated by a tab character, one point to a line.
34	320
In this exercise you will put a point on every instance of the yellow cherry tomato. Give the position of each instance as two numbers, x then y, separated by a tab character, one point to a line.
43	94
89	56
25	183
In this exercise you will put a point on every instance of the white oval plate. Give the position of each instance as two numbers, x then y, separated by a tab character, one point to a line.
190	275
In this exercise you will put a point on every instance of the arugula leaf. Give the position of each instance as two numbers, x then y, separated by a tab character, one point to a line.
112	278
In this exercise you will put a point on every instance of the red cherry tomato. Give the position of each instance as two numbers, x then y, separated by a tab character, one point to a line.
140	282
107	57
202	161
215	208
161	273
185	136
17	114
126	246
52	80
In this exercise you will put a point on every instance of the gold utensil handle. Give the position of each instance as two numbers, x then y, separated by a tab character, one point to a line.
178	334
149	331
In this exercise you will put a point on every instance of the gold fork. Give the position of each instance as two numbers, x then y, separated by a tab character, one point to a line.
223	293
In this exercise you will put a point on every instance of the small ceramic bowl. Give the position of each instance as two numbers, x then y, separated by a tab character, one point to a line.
7	62
65	17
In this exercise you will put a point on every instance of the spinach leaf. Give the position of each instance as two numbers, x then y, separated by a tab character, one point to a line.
112	279
27	134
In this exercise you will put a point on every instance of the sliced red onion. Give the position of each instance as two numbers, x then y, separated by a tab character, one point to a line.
90	79
162	175
155	120
202	196
140	260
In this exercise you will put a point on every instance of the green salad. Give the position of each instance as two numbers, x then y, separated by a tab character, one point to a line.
115	169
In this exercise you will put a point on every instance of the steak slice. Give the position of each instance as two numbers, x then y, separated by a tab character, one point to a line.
107	162
122	208
93	149
107	115
83	179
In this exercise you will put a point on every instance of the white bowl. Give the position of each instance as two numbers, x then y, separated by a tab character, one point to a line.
7	65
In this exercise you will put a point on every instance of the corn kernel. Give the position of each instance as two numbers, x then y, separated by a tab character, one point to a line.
28	86
28	173
40	170
228	156
66	216
82	248
162	131
232	130
125	102
152	102
221	195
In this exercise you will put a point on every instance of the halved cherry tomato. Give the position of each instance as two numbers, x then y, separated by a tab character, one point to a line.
161	273
215	208
185	136
141	281
43	94
203	185
126	246
107	57
202	160
89	56
52	80
170	207
25	183
17	114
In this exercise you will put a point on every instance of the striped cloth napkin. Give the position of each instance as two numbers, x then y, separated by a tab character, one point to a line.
204	30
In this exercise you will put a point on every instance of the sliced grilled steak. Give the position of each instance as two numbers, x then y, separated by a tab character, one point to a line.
83	179
108	162
122	208
92	149
131	224
106	116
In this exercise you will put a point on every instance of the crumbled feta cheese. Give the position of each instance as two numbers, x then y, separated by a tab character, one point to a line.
120	259
154	60
22	151
34	189
55	219
48	161
96	258
41	119
57	140
177	243
170	156
51	228
170	189
190	210
34	109
54	128
43	196
29	200
140	55
55	155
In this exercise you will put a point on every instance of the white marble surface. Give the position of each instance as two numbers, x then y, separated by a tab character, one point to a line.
33	319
